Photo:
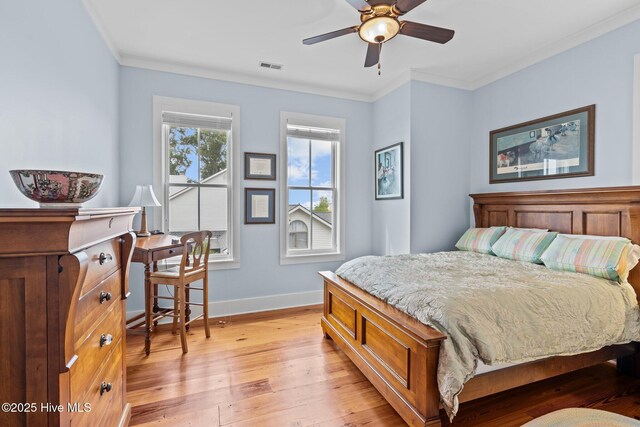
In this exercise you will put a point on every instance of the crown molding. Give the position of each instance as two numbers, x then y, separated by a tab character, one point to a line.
596	30
268	82
398	81
102	29
421	76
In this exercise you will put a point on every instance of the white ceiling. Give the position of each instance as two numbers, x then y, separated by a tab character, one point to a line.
227	39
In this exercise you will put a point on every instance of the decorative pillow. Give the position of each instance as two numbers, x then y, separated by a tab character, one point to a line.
479	239
611	258
523	245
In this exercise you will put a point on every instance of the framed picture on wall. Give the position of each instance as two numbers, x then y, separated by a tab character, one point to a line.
260	166
259	206
558	146
389	170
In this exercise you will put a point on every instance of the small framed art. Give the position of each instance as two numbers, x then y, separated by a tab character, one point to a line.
558	146
259	206
260	166
389	169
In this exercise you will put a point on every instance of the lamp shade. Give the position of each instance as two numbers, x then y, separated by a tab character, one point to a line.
144	196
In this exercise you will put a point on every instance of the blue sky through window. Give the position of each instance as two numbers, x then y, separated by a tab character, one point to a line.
300	172
192	171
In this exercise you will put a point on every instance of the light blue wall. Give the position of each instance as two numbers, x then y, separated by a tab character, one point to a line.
433	122
392	218
597	72
58	96
440	118
261	273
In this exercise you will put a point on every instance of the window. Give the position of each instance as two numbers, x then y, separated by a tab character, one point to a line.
198	172
312	188
298	235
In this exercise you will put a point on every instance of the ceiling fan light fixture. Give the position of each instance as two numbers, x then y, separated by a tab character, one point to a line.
379	29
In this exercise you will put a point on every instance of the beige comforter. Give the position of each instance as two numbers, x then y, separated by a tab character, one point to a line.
498	310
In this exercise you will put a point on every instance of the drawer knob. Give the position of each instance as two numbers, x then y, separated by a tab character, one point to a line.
105	387
104	258
105	339
105	296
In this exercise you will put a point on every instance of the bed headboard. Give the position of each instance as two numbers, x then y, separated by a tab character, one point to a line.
607	211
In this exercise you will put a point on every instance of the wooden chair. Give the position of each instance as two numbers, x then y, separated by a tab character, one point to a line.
193	267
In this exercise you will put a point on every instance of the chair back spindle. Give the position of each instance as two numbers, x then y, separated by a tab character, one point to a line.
197	258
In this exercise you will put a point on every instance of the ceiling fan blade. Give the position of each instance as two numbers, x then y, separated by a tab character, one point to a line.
426	32
329	36
404	6
361	5
373	54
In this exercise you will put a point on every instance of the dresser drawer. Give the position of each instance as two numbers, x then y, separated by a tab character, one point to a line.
107	402
98	346
104	259
93	305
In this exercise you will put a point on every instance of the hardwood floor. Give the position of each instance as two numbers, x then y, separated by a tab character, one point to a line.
276	369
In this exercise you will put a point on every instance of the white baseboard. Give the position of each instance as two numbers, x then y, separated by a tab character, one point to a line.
253	305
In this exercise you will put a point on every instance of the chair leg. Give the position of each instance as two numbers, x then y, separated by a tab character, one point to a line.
174	323
156	309
147	314
183	329
187	309
205	304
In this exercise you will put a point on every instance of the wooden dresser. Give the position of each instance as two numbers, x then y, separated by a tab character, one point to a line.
63	285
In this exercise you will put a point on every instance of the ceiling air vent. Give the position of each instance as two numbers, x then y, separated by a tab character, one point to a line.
264	64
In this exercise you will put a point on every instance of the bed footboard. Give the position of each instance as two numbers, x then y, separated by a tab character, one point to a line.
396	353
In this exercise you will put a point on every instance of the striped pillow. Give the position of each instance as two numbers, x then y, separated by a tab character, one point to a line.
479	239
523	245
608	258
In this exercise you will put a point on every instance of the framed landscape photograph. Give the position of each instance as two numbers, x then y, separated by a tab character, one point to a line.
260	166
389	169
558	146
259	206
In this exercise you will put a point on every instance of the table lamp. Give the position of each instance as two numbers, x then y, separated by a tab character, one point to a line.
144	198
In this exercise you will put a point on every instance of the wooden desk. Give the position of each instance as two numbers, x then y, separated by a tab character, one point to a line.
148	251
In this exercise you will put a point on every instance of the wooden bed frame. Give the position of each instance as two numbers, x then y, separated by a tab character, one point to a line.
399	355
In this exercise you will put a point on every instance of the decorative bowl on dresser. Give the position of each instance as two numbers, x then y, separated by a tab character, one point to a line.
64	277
53	189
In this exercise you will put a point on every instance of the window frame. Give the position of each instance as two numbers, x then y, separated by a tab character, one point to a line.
160	169
299	256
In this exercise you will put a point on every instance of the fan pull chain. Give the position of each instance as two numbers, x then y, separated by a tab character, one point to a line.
379	53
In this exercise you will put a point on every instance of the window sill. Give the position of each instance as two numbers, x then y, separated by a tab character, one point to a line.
311	258
230	264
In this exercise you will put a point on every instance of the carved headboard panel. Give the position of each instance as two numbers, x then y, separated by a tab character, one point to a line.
607	211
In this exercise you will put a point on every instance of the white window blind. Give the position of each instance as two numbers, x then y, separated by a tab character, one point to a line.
318	134
196	121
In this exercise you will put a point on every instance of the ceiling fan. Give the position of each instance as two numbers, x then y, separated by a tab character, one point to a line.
380	24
